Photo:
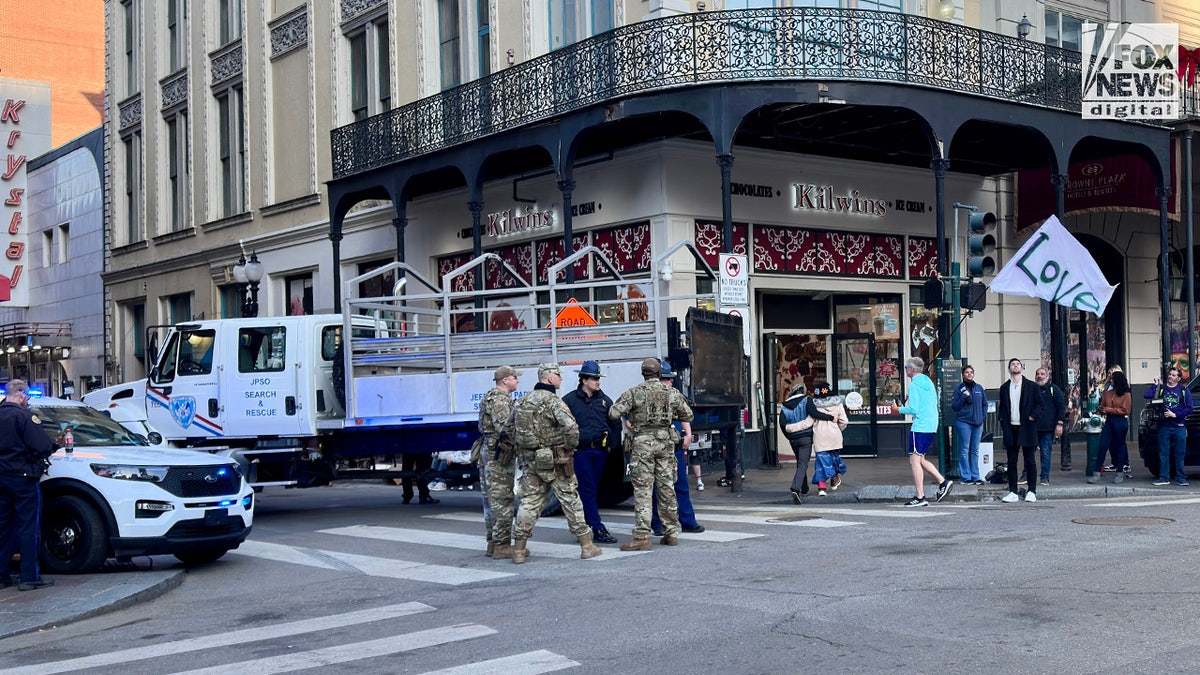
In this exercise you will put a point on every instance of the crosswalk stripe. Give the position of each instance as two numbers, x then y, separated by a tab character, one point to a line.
1157	502
618	527
236	637
356	651
368	565
893	512
541	549
529	663
765	520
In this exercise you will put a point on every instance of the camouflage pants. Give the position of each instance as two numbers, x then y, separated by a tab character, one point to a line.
498	482
653	462
533	488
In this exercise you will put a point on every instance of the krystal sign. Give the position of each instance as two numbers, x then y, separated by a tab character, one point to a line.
1129	71
25	134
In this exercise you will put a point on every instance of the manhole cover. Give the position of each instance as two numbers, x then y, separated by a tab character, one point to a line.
1124	521
791	519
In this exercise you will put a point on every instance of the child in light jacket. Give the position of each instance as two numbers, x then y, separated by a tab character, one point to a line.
827	438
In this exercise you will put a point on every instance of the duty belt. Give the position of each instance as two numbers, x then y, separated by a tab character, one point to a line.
600	444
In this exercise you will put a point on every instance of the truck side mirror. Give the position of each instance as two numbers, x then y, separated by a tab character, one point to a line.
155	438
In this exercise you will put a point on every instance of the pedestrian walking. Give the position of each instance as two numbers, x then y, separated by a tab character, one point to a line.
545	435
827	442
24	449
970	409
796	409
1172	426
597	436
1019	407
687	513
497	466
416	466
1051	420
650	408
923	406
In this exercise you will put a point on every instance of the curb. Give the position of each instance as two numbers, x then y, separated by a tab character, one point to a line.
99	598
898	494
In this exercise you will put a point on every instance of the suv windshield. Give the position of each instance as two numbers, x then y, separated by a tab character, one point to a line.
90	427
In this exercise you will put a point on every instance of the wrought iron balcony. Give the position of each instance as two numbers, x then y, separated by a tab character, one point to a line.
789	43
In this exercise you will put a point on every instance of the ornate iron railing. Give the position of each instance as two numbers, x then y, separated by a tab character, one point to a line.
786	43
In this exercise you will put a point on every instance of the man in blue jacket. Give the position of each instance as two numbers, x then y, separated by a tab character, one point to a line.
970	408
1172	428
923	406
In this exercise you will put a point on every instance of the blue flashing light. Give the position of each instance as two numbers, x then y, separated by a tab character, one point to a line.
222	472
33	392
227	502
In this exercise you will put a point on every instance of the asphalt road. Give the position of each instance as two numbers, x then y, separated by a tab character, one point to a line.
348	580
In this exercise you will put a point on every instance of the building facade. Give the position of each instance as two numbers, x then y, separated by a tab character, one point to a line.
219	129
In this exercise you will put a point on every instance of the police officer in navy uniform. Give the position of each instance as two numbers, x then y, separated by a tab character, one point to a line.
597	434
24	449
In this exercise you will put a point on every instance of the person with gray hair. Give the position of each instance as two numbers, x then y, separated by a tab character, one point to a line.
923	406
24	448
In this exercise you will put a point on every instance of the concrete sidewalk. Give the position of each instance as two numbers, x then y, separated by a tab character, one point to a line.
889	480
81	596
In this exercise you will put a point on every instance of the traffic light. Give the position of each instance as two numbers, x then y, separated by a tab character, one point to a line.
981	244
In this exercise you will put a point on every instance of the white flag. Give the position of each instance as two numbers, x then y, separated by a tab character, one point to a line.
1054	266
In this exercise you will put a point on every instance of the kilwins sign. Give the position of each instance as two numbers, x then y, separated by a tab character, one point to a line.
519	221
828	199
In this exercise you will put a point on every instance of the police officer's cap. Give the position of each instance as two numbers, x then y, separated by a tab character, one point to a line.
549	368
651	367
666	373
504	371
590	369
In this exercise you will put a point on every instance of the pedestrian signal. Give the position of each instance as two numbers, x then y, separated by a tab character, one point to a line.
932	294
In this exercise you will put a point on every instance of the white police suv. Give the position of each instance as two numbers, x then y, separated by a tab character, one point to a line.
108	493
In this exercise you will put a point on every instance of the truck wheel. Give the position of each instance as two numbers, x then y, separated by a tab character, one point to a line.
201	557
74	538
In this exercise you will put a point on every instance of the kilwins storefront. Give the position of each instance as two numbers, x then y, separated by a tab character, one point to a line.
834	166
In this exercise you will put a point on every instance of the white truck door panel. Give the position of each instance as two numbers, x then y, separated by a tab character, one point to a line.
261	377
183	392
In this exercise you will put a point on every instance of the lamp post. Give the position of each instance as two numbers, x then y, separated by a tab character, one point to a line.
248	274
1024	27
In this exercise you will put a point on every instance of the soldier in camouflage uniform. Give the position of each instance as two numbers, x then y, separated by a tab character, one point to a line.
497	477
546	434
651	407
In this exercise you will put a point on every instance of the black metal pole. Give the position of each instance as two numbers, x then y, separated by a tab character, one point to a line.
725	161
1058	322
476	207
566	186
1164	273
400	222
1190	283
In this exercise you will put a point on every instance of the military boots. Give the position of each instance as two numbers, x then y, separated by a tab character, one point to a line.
670	540
491	549
503	552
586	548
519	552
636	545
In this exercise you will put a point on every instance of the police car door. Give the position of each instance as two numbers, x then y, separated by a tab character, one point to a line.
183	397
262	378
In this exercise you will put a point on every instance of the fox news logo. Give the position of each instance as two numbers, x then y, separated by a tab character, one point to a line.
1129	71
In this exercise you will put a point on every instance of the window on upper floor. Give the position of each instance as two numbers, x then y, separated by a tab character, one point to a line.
63	248
131	205
229	20
1064	30
231	150
299	289
178	178
129	11
177	14
178	307
574	20
485	38
47	248
449	49
370	69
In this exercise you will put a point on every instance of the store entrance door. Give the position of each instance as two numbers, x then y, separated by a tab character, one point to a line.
854	380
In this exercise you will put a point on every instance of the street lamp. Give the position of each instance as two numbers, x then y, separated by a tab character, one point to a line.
248	274
1024	27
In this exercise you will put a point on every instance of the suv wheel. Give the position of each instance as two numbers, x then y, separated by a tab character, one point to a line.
201	557
74	538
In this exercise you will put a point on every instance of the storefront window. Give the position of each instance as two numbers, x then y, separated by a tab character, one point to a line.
870	365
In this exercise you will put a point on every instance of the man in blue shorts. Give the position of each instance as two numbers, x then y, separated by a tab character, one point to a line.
923	406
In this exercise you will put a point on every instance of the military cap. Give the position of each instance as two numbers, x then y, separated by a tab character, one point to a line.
504	371
549	368
651	367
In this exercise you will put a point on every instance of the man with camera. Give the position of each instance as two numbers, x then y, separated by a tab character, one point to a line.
1172	428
